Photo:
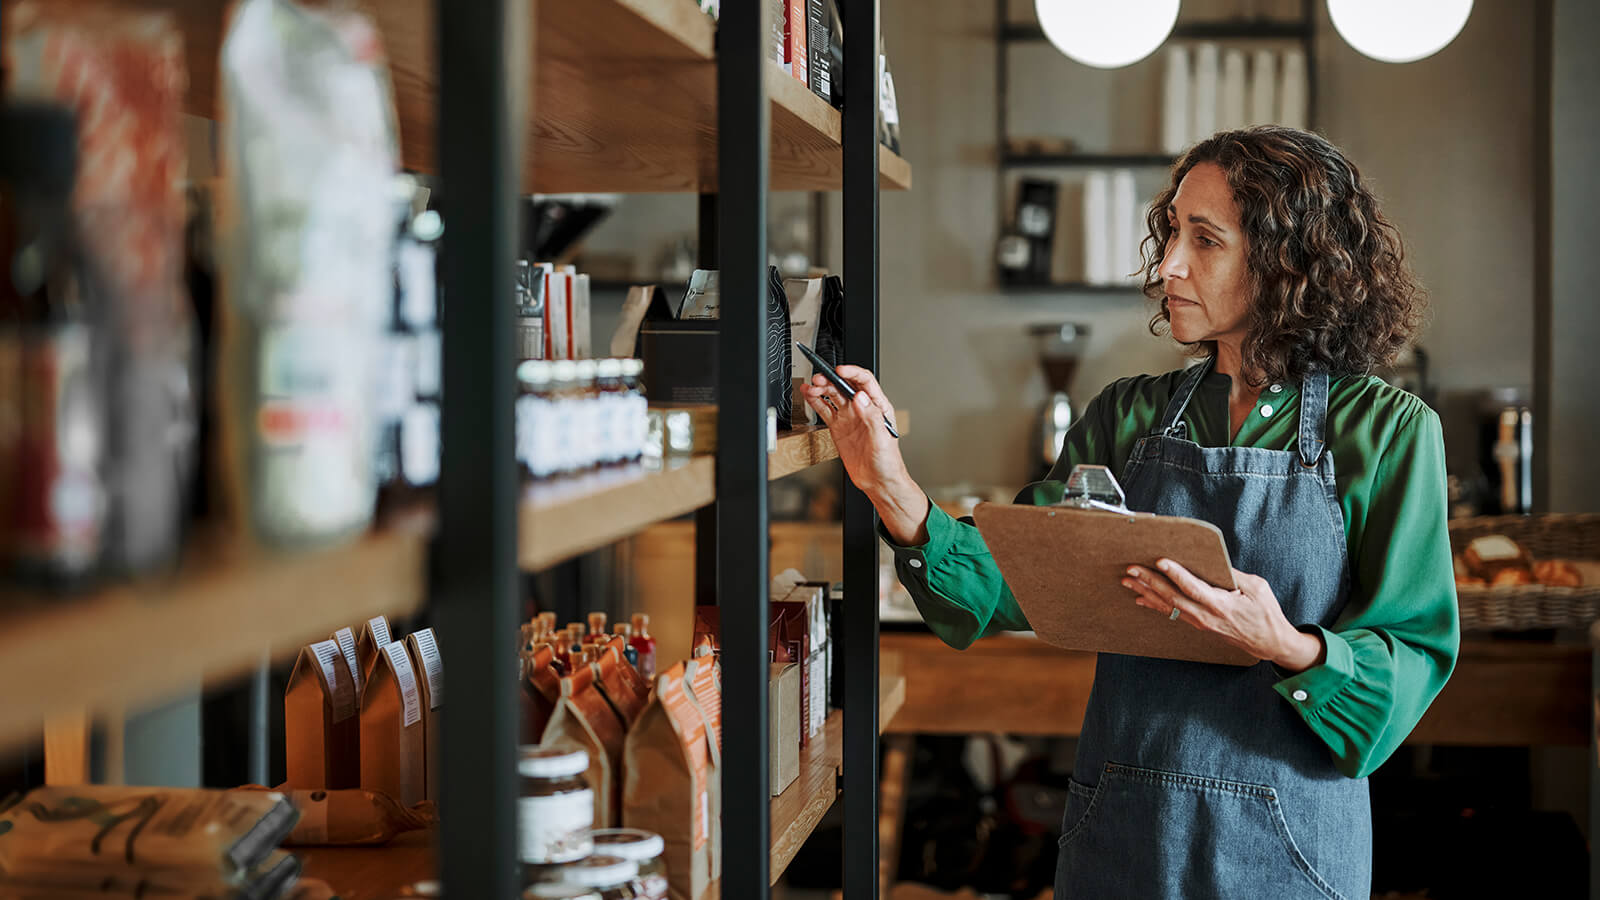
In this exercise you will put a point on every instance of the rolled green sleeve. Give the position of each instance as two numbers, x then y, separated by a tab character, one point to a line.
955	583
1396	642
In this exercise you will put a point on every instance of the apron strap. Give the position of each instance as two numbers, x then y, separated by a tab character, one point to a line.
1180	398
1313	417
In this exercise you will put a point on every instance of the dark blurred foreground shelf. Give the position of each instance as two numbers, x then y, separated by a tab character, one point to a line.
219	616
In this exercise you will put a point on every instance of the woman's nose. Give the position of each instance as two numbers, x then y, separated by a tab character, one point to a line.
1173	265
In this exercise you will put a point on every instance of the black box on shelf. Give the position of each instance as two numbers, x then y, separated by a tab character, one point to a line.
820	56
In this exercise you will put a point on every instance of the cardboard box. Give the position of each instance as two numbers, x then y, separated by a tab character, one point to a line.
428	667
393	749
320	727
783	734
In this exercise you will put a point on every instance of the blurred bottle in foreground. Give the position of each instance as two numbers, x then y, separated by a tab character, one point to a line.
309	164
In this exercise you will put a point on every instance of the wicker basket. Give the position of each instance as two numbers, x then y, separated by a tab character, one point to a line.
1570	536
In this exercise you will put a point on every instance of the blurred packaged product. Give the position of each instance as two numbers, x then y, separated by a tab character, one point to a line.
1175	101
408	380
609	877
644	645
122	72
574	416
309	179
556	808
52	400
638	846
529	299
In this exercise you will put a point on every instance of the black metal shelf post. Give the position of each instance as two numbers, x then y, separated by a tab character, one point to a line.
483	87
860	608
741	509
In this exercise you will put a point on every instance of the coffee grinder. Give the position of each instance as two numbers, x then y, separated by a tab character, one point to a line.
1059	345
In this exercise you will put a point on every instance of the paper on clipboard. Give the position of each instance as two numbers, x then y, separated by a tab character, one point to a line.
1065	566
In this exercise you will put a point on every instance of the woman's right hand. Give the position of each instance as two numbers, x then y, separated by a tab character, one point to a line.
870	454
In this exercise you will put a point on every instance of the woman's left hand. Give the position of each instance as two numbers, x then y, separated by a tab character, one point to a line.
1249	618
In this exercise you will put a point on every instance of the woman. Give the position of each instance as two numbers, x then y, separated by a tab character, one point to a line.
1272	261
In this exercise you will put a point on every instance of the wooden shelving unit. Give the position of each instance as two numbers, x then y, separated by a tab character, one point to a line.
379	873
566	517
625	97
217	617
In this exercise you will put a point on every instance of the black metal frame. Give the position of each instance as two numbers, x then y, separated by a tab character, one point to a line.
483	87
474	571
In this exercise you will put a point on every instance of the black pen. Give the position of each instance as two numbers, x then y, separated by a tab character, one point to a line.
845	390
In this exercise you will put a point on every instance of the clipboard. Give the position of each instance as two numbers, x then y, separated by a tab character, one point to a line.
1065	565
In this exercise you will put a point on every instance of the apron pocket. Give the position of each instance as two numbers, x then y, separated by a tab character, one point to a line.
1192	837
1080	805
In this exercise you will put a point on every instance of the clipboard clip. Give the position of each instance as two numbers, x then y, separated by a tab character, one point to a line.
1094	487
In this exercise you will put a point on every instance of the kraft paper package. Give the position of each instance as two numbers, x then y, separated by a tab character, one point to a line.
805	312
373	638
666	784
321	725
618	692
638	684
346	639
131	832
542	687
393	749
429	672
267	881
583	718
703	678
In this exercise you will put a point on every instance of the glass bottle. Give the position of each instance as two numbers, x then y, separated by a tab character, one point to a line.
644	645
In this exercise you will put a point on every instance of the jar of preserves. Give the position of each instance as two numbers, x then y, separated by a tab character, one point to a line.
556	807
641	847
609	877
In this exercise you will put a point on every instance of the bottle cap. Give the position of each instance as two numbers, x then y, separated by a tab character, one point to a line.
552	762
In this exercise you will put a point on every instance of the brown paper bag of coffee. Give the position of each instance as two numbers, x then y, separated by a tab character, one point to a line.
704	680
429	671
346	639
393	752
370	642
583	718
608	677
321	729
666	774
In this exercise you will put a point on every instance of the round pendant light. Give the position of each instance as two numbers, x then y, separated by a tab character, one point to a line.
1399	31
1107	34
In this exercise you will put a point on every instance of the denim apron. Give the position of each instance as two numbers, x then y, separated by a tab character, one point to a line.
1199	781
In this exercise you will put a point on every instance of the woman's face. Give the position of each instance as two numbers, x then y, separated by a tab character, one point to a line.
1203	270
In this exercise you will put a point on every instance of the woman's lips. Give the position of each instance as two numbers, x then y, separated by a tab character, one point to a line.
1176	302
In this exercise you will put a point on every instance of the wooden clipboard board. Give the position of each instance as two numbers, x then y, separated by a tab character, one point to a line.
1065	566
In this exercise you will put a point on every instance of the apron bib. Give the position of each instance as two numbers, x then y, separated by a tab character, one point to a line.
1199	781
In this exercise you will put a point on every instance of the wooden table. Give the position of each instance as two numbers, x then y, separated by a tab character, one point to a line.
1503	693
373	873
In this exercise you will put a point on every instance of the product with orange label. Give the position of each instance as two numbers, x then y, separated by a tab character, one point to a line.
639	684
321	724
644	645
393	748
666	786
584	719
618	692
704	679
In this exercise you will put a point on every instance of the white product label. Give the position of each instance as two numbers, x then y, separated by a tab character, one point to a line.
341	692
419	444
705	815
555	829
347	645
396	370
380	631
407	681
432	665
886	99
429	354
416	284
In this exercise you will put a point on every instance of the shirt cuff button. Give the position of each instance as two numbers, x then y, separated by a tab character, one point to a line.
914	563
1300	696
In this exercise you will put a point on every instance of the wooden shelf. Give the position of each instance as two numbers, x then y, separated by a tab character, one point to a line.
624	96
796	812
216	618
563	518
379	873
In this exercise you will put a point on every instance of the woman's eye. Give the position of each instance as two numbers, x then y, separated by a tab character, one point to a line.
1207	242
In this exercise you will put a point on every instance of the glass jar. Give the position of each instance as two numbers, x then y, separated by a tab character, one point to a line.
535	420
588	429
556	807
613	410
556	890
641	847
566	394
609	877
637	405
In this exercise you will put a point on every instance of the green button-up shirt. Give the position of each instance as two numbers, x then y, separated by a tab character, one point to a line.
1395	643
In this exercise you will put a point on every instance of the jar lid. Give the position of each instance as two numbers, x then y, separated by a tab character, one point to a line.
564	370
552	762
628	843
600	871
556	890
632	366
585	368
609	368
533	371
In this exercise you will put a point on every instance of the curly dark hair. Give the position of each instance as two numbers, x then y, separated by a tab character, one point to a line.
1332	289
